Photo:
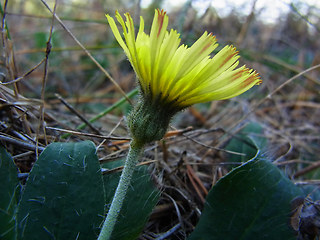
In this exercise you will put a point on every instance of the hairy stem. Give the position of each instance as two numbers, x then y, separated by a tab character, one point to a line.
129	166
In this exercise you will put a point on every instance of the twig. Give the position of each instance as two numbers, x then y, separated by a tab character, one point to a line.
215	148
22	155
118	169
87	134
191	174
23	175
169	232
207	146
176	207
20	143
77	113
44	81
195	177
107	159
65	18
116	143
115	127
308	182
289	81
110	133
24	75
178	132
307	169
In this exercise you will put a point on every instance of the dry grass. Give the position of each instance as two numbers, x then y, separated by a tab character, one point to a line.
74	55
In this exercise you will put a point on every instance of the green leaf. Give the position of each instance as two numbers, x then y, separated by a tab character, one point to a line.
64	194
9	187
140	200
251	202
249	141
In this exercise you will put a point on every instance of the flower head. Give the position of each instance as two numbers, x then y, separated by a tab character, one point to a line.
173	76
178	74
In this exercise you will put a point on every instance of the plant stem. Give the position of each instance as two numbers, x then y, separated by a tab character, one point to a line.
129	166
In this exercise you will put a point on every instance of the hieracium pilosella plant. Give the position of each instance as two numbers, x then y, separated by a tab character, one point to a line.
171	77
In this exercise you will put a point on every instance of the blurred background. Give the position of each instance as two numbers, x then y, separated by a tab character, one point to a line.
276	38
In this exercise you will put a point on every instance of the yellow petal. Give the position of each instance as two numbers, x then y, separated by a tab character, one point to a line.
245	79
168	49
116	33
199	50
157	35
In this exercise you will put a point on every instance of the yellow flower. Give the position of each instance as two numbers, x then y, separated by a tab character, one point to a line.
173	76
181	76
